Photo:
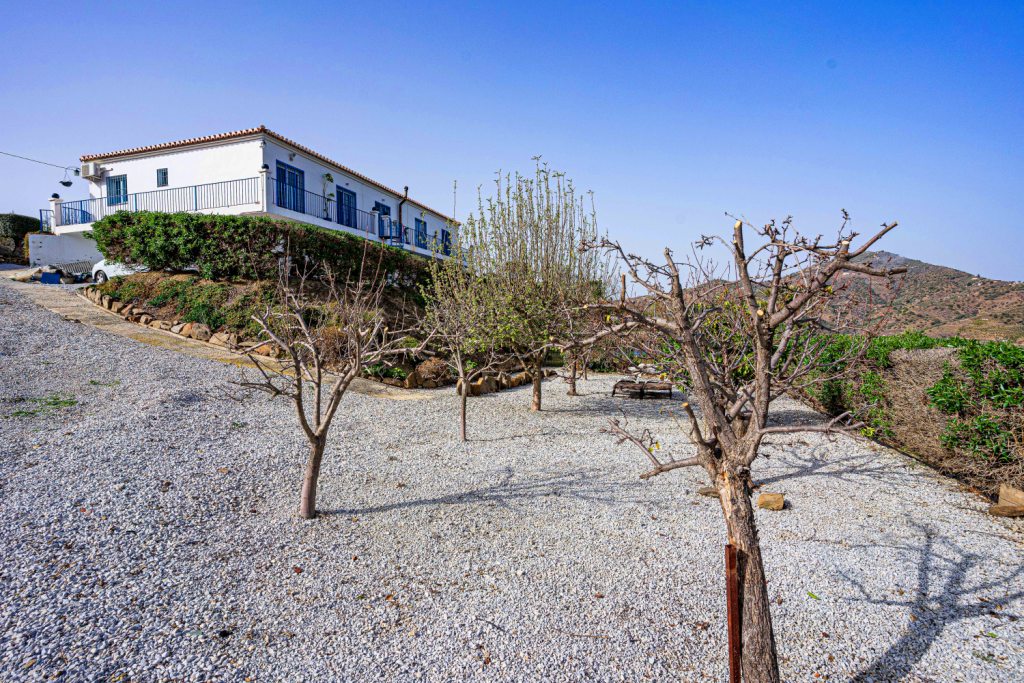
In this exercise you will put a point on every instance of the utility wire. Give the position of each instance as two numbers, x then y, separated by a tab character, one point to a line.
44	163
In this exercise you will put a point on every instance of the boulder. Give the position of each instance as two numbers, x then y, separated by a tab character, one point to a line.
228	339
116	306
771	501
177	329
518	379
105	301
429	384
1010	496
160	325
483	385
128	310
201	332
145	319
412	380
268	349
1006	510
504	380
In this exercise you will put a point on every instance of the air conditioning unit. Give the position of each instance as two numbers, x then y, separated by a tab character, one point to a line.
92	171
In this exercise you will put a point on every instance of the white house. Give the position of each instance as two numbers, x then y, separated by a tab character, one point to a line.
252	172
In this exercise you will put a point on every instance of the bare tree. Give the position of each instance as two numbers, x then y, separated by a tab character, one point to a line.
738	339
527	241
463	309
327	333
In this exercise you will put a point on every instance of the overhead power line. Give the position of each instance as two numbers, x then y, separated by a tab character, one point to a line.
44	163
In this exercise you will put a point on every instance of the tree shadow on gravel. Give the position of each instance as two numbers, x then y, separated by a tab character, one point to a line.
590	486
944	595
814	461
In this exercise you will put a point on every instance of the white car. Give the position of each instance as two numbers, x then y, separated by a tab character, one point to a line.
104	270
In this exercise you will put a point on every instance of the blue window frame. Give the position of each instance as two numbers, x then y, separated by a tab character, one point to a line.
117	190
346	206
446	242
291	188
421	233
161	177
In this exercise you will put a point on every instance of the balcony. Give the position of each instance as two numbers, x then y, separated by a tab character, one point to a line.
211	196
246	194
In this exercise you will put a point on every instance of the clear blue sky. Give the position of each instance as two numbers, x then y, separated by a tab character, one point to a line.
671	113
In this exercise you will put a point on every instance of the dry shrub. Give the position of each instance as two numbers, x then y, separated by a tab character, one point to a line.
434	370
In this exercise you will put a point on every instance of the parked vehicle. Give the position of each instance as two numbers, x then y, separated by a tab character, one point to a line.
104	270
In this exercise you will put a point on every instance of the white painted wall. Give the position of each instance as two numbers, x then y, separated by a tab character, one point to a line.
194	165
46	249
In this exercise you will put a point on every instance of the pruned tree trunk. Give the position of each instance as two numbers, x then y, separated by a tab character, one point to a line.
307	506
538	382
760	661
464	394
573	371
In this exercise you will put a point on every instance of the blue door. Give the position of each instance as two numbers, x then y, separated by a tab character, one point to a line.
421	233
117	190
346	207
291	188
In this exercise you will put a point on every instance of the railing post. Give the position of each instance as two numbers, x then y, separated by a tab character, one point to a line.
55	217
264	187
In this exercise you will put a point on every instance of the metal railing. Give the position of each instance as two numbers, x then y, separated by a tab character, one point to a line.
303	201
172	200
45	220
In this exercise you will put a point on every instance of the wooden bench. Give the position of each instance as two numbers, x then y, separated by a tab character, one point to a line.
633	388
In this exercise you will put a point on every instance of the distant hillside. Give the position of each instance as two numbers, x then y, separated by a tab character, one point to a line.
942	301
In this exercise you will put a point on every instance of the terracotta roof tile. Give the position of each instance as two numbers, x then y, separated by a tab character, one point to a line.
246	133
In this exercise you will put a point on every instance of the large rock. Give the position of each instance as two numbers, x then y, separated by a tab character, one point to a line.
116	306
145	319
269	349
518	379
1006	510
201	332
1010	496
164	325
771	501
105	301
412	380
179	327
227	339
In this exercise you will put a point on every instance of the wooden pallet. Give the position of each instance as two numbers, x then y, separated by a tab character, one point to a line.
631	388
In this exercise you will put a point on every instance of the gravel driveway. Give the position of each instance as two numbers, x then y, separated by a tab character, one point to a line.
147	533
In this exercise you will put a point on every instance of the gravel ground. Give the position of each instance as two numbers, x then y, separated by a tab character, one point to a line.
147	533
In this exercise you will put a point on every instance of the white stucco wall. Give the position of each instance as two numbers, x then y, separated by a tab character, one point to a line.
46	249
194	165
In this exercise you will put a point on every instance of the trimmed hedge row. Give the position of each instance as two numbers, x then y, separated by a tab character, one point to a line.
245	247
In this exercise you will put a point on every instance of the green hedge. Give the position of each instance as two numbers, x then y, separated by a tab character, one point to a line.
13	228
244	247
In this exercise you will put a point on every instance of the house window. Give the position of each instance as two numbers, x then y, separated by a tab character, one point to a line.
161	177
117	190
446	242
346	206
421	233
291	188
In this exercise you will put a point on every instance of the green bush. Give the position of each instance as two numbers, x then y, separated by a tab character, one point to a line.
982	394
247	247
13	228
